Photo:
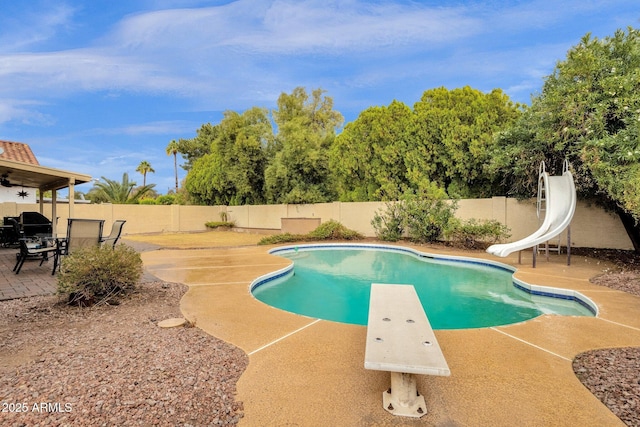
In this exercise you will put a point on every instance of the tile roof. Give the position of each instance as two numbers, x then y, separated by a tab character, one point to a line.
18	152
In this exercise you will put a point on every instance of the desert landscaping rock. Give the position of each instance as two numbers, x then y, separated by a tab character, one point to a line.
112	365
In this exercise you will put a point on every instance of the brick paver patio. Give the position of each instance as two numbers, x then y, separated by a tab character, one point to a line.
33	279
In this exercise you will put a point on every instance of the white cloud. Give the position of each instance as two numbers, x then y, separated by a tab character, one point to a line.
150	128
23	111
79	70
295	27
248	51
36	24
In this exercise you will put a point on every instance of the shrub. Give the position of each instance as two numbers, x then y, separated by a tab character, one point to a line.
282	238
166	199
475	234
389	223
219	224
330	230
333	230
99	274
425	216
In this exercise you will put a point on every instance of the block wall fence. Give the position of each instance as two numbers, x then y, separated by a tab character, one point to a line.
591	225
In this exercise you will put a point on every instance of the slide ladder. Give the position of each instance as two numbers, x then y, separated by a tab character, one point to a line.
541	209
557	201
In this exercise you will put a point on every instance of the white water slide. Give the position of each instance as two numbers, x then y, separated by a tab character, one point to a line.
557	199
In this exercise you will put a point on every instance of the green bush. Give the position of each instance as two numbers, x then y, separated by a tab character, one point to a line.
282	238
333	230
424	216
330	230
99	274
166	199
426	219
219	224
389	223
474	234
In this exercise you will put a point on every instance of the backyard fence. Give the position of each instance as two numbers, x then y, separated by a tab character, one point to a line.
591	226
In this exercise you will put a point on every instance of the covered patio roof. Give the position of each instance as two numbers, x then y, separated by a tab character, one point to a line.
40	177
44	179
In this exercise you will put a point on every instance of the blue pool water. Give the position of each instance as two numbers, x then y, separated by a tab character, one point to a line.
334	284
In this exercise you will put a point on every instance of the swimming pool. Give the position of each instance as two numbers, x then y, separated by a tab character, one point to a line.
332	282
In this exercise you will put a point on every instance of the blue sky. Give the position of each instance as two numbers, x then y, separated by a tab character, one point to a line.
97	86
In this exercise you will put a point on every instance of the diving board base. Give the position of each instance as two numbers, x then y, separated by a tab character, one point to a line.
400	341
403	398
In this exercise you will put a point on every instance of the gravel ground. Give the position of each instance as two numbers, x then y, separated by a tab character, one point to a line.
113	366
613	374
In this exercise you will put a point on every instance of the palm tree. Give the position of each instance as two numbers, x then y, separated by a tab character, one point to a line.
120	192
172	148
144	168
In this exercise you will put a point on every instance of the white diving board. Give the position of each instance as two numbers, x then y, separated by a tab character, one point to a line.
400	341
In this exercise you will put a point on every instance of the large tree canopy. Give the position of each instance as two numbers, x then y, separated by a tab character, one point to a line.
455	130
368	157
232	172
446	139
194	148
299	172
588	112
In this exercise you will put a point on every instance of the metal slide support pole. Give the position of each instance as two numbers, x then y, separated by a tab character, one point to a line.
569	244
546	250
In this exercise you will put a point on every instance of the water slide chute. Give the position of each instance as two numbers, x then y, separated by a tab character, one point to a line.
557	199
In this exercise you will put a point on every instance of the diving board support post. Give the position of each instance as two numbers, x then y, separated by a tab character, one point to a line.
400	340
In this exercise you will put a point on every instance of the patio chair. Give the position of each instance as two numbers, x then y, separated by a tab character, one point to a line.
81	233
114	236
13	231
30	249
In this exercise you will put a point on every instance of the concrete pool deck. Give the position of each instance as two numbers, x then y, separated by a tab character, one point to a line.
309	372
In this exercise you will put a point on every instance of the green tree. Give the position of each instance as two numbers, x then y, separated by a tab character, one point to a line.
368	156
299	171
173	149
447	139
232	173
123	192
197	147
455	136
144	168
588	112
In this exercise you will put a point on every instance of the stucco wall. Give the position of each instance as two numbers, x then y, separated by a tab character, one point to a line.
591	226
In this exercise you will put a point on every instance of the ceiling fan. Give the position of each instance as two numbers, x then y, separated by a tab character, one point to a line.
4	180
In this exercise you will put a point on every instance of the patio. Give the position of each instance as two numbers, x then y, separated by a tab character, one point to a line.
310	372
33	279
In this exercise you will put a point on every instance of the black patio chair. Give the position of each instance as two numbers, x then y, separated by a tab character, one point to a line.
13	231
34	250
